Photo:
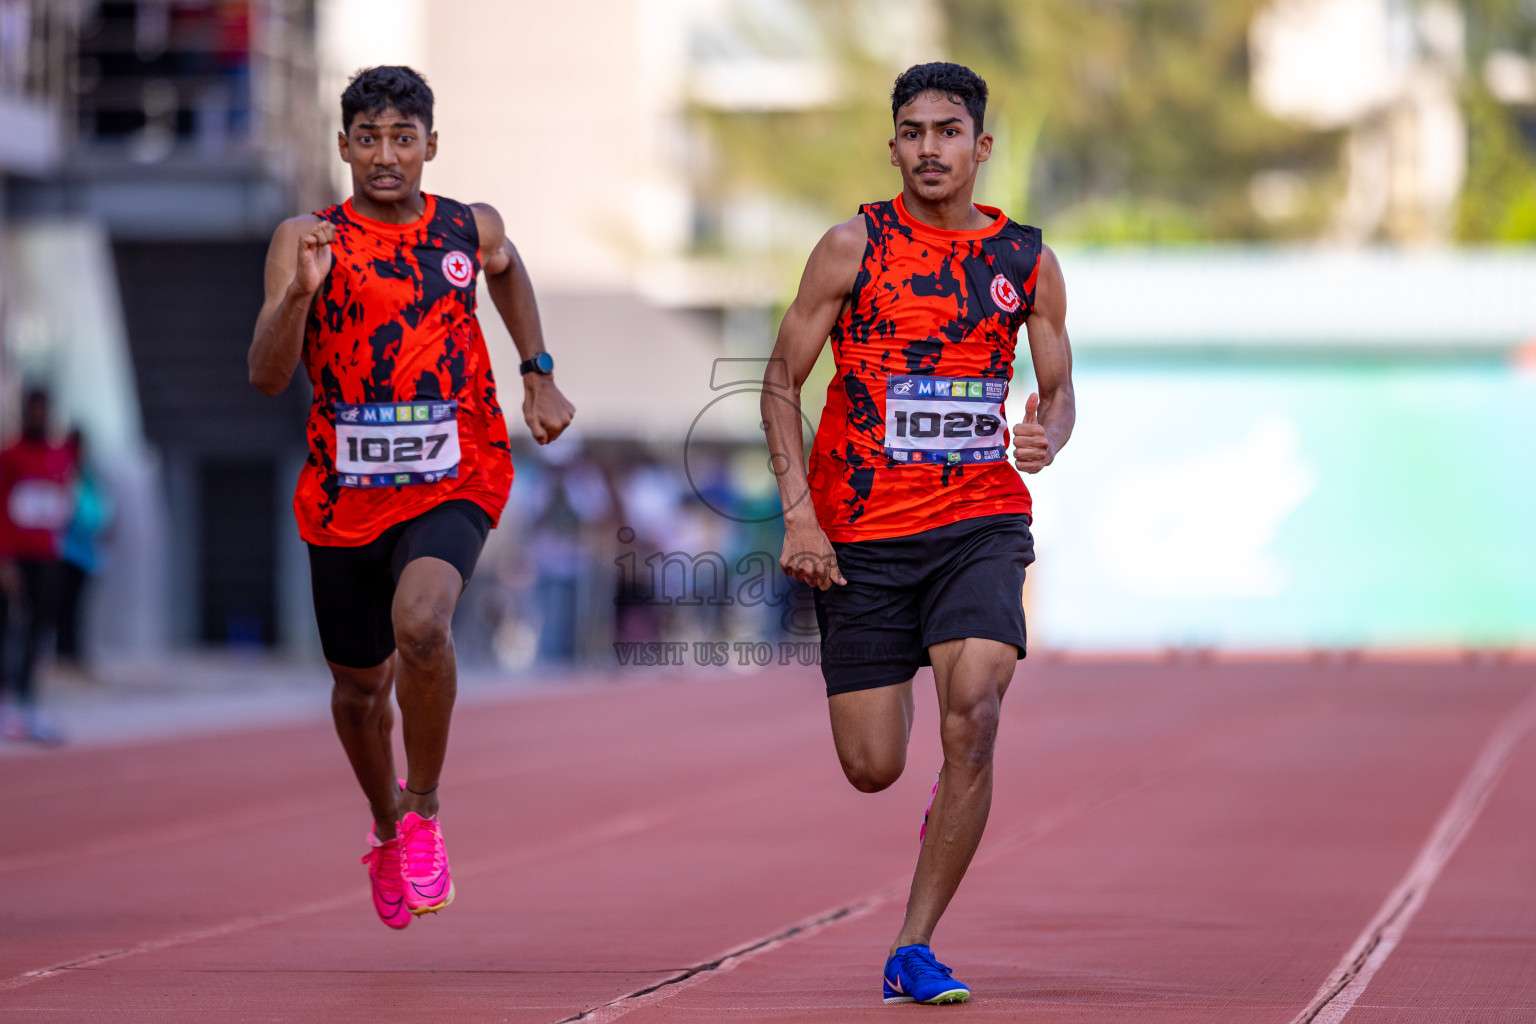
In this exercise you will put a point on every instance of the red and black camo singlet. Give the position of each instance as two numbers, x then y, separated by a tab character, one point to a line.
394	321
928	306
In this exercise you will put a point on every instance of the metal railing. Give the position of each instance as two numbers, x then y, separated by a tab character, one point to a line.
187	84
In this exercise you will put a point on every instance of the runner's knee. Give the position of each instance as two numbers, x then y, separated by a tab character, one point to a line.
422	631
970	733
870	773
361	696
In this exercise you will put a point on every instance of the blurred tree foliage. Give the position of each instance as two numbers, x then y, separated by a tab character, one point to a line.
827	159
1131	120
1498	201
1116	121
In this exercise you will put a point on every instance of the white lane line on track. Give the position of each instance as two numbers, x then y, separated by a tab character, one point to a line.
183	832
1097	794
1349	979
170	941
1093	796
669	987
212	825
607	831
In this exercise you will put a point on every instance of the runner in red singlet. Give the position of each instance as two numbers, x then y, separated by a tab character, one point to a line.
409	465
916	532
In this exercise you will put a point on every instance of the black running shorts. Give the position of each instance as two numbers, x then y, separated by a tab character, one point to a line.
355	587
905	594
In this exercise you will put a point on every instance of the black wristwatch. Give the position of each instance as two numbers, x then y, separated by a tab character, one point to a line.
542	363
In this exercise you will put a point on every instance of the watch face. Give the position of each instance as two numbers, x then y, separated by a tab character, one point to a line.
544	362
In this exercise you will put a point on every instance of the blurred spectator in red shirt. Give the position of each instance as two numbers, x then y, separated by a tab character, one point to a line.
36	503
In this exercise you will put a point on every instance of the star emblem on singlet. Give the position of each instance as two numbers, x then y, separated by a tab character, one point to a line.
458	269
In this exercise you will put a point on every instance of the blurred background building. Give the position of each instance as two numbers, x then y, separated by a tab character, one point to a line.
165	140
1296	235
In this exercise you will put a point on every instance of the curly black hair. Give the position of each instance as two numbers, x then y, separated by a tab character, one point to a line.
956	81
390	85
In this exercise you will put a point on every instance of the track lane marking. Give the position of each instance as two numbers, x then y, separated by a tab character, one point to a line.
1348	980
1090	798
234	927
617	827
200	827
687	978
266	813
186	831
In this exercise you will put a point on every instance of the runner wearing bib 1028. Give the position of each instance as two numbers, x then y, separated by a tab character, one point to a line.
914	432
917	540
947	420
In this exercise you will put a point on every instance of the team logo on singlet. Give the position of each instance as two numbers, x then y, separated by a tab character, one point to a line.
460	271
1004	295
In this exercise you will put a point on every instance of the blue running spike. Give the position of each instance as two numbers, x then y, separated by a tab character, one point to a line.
912	975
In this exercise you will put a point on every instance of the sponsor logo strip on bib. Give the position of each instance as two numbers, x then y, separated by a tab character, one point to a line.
392	444
945	420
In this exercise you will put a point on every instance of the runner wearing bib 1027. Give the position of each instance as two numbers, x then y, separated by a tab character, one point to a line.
409	463
404	414
394	444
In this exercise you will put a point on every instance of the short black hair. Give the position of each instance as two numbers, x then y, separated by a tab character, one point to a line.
956	81
389	85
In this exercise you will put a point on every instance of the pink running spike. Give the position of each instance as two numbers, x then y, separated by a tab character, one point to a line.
424	865
383	860
927	811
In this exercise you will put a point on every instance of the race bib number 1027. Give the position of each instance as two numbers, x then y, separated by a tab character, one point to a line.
390	444
946	420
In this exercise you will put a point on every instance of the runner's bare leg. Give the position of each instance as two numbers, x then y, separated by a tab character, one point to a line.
427	677
365	721
972	675
870	729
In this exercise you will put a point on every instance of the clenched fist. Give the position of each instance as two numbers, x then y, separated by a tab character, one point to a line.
314	258
546	411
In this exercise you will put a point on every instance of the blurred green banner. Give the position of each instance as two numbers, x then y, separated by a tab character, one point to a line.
1251	507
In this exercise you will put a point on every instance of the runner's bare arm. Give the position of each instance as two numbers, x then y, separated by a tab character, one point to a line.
545	409
297	261
824	289
1050	414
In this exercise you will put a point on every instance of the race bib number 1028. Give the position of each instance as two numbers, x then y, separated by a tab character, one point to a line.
946	420
390	444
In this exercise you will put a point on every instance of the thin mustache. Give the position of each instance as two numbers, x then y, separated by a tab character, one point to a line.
930	165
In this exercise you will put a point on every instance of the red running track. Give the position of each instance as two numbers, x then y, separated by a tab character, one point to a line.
1168	843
